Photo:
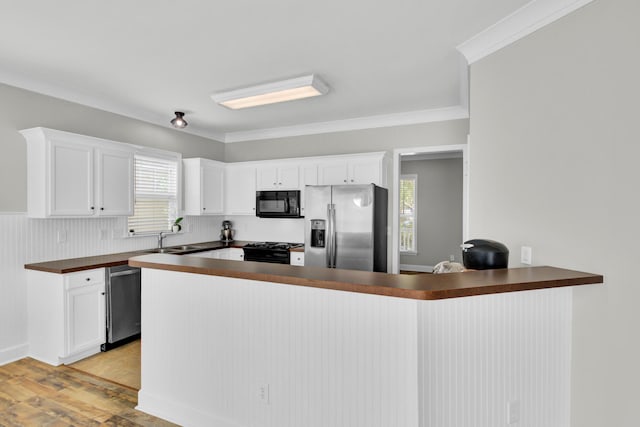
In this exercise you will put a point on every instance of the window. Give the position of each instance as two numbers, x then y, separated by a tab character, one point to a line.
408	204
155	195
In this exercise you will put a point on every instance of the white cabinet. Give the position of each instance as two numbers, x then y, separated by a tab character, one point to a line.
71	175
308	176
296	258
278	177
234	254
361	169
85	316
203	187
114	183
66	315
240	190
70	180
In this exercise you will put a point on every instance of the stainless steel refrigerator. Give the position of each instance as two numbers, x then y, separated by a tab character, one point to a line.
346	227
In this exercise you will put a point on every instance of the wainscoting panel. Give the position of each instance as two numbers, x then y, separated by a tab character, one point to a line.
483	356
232	352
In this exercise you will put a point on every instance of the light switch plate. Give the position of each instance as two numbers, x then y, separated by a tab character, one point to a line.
526	255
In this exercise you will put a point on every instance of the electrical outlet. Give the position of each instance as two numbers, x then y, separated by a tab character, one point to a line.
263	393
526	255
103	234
513	412
62	236
452	258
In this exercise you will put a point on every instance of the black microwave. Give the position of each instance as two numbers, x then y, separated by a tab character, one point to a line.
278	204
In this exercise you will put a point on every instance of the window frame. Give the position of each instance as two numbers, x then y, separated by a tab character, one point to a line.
414	178
167	156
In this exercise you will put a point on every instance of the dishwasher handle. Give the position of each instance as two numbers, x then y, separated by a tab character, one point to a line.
124	273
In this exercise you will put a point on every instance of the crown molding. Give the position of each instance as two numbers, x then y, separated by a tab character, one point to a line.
371	122
524	21
55	91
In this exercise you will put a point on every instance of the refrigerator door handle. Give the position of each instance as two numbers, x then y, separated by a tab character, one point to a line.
328	238
334	242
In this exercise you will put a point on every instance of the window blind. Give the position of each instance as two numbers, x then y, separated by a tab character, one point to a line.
155	204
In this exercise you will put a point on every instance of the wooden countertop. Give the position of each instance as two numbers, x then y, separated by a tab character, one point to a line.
417	286
63	266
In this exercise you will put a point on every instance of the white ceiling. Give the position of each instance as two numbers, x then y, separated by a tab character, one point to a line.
148	58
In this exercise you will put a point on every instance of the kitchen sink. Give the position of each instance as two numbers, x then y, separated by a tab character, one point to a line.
164	251
185	248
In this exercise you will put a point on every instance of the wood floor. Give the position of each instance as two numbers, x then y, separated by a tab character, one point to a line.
120	365
36	394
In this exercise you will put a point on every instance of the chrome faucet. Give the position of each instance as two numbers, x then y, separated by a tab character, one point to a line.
161	237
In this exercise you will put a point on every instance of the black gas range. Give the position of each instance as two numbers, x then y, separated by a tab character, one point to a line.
275	252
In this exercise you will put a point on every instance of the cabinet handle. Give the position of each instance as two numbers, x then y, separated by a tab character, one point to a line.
351	180
92	208
102	293
101	209
88	279
204	209
279	183
274	183
345	180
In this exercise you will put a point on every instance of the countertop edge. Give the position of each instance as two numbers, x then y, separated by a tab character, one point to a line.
426	287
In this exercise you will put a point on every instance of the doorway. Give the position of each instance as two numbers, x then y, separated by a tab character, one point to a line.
431	229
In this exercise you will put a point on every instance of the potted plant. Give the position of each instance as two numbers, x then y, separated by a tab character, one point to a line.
176	227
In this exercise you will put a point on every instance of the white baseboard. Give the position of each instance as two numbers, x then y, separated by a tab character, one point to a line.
412	267
178	413
11	354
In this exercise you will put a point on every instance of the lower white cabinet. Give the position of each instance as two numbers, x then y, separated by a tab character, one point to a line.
234	254
66	314
296	258
85	318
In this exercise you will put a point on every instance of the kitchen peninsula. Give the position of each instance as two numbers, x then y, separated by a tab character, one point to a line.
240	344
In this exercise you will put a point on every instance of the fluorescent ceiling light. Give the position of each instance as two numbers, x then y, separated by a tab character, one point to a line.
270	93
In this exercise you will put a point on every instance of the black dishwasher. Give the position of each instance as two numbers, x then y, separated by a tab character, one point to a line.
123	305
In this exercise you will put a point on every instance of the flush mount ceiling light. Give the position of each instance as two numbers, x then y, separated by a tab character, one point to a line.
179	121
270	93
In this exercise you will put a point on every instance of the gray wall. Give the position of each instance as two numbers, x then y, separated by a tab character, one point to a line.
358	141
21	109
554	157
439	220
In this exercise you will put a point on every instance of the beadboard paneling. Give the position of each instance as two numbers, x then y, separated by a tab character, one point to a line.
211	342
480	353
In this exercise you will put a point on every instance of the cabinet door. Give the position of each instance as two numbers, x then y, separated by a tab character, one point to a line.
114	182
212	189
85	318
365	171
308	176
267	178
297	258
240	186
288	177
236	254
71	179
333	173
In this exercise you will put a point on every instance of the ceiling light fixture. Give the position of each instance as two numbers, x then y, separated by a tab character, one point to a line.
270	93
179	121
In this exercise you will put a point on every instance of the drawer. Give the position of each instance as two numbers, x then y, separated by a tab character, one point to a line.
82	278
297	258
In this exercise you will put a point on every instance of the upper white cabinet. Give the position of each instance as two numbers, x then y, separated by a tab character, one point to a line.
240	186
204	187
71	175
356	169
114	183
278	177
